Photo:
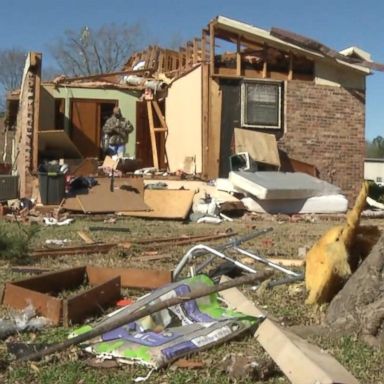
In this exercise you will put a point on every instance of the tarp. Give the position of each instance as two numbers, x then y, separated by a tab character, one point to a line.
199	324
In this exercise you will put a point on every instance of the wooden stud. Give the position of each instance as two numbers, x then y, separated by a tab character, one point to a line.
205	116
265	64
212	48
152	135
238	56
290	73
204	46
195	57
36	57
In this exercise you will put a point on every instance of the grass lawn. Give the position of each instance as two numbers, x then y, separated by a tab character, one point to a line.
284	303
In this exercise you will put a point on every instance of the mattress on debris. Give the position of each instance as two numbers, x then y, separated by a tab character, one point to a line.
315	204
270	185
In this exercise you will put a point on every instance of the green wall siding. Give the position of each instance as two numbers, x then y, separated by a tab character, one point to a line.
127	103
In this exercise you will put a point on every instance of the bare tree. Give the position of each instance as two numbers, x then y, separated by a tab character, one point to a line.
93	51
12	62
375	148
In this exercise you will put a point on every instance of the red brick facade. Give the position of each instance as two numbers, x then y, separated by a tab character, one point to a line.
325	126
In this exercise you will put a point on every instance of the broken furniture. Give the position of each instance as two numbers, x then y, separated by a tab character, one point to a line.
201	249
44	291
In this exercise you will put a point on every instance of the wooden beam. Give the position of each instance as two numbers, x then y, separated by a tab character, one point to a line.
205	116
238	56
204	46
130	277
155	156
195	57
290	72
78	307
265	63
36	58
212	48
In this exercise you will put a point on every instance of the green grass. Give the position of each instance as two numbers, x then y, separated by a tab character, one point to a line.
285	303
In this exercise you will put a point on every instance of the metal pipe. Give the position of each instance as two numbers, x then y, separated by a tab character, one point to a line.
267	262
153	84
207	249
233	243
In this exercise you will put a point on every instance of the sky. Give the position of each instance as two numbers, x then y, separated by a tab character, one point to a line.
34	25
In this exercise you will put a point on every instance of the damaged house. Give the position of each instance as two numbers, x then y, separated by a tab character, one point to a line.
236	78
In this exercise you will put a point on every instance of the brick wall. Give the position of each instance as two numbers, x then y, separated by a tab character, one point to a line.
325	126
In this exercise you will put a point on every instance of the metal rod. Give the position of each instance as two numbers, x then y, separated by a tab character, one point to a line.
267	262
233	243
215	252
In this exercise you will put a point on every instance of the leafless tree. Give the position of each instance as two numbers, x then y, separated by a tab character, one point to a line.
93	51
12	62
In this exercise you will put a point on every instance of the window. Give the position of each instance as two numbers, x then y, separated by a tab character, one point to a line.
261	104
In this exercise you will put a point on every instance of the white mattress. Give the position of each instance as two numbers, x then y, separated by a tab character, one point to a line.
316	204
281	185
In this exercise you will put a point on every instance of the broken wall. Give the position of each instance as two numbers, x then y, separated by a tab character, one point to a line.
126	100
25	156
325	126
183	114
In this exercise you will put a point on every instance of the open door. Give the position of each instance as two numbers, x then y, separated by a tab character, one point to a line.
88	118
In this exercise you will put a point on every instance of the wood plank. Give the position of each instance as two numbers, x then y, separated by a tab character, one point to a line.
81	250
214	135
77	308
100	199
238	56
205	118
204	46
301	361
130	277
155	157
18	298
54	281
85	237
165	204
160	115
212	49
262	147
36	57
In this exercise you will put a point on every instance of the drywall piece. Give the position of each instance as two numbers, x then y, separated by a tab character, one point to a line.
165	204
41	292
130	277
57	144
270	185
316	204
201	188
262	147
300	361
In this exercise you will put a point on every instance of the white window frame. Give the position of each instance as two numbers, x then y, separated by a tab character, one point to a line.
279	85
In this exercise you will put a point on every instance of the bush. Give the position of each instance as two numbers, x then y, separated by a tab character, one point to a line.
14	242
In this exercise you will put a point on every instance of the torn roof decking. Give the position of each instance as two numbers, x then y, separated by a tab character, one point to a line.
229	29
196	51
